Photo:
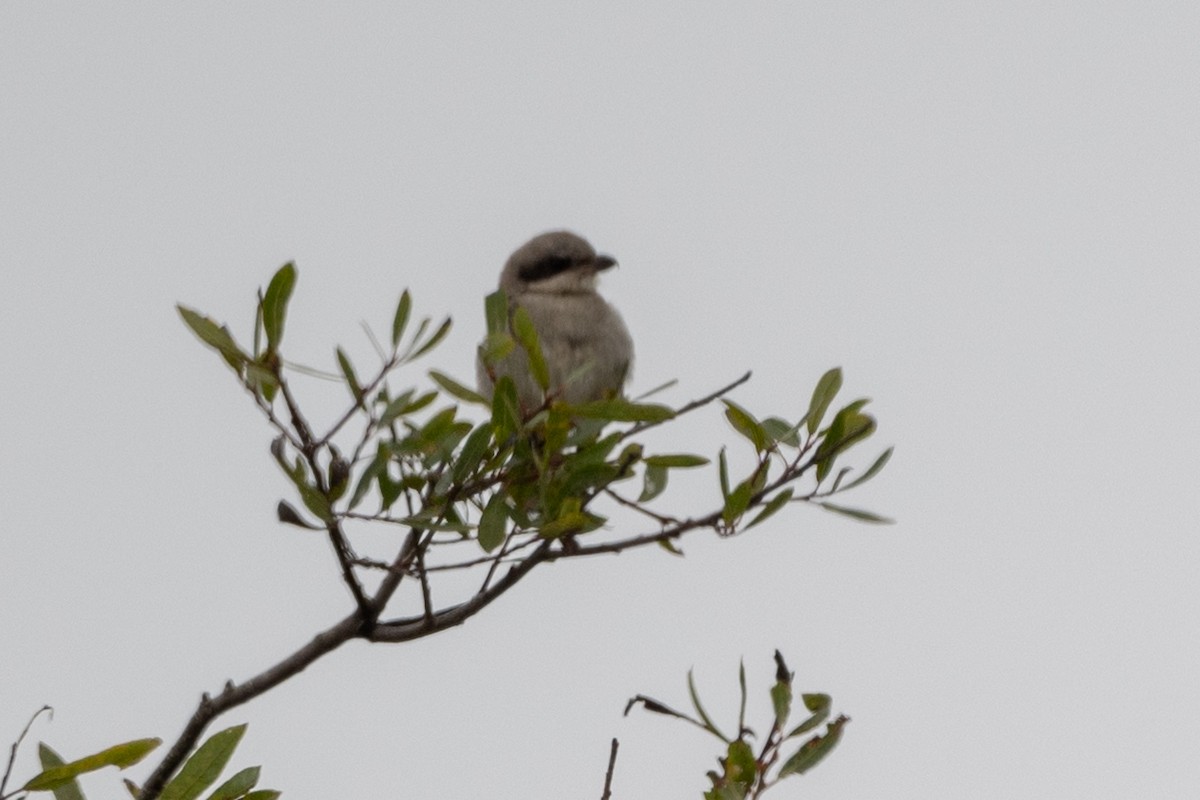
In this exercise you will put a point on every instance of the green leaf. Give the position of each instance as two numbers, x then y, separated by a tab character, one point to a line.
781	701
473	451
433	341
621	410
814	750
708	723
495	307
738	500
274	304
119	756
204	766
506	411
745	424
849	427
826	389
215	336
742	692
69	790
740	764
780	430
678	460
654	482
369	475
237	786
404	405
723	474
526	334
819	706
493	522
456	389
670	547
773	505
348	374
872	470
859	514
263	794
400	320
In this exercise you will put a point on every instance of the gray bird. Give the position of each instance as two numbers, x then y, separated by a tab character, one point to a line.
585	343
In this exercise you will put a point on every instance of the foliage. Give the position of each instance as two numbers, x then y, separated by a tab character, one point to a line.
199	771
744	774
496	495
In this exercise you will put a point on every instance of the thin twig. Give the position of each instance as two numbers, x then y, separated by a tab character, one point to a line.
12	754
608	775
692	406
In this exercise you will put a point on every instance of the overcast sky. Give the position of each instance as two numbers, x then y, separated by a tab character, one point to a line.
986	213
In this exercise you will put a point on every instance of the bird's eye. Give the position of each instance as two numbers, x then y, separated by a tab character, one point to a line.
543	268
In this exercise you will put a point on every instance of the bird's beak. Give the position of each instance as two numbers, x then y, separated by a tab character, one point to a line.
603	262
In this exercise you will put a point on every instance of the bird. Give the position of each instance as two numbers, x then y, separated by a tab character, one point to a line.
586	346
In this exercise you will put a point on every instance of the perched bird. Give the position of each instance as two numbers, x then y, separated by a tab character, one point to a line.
586	346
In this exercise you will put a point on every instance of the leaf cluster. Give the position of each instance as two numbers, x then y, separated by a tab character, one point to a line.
199	772
745	773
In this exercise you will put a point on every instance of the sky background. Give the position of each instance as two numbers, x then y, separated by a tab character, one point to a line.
986	213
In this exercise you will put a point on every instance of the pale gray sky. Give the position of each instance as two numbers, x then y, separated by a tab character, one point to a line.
986	213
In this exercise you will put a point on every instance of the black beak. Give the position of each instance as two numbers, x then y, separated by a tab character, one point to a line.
603	262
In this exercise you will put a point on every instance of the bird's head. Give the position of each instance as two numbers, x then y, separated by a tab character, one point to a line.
558	262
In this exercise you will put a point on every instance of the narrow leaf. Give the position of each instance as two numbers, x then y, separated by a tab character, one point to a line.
872	470
679	460
781	702
738	501
69	790
865	516
495	307
814	750
119	756
274	304
348	374
780	430
826	389
506	411
819	706
237	786
526	334
263	794
745	424
456	389
773	505
204	766
473	452
621	410
400	320
214	335
708	723
433	341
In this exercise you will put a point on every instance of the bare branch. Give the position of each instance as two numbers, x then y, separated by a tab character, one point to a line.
608	775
